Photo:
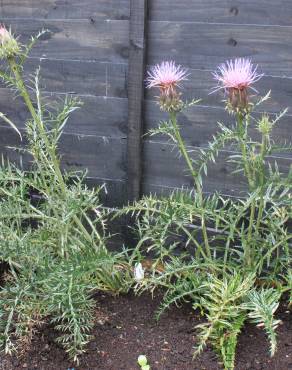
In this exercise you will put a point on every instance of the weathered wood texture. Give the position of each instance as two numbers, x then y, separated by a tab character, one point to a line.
64	9
136	97
80	39
87	54
277	12
203	45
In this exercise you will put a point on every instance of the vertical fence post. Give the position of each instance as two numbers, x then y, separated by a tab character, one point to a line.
137	52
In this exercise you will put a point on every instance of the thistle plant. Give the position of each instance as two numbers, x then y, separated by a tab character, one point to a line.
53	227
235	253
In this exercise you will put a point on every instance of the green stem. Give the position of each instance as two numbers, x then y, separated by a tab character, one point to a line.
248	256
194	174
262	181
25	95
242	132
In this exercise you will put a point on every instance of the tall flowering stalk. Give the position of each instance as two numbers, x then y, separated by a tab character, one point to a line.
236	78
168	78
250	242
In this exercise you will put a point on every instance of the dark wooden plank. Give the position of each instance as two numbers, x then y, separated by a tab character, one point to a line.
105	41
117	79
104	158
204	46
60	9
79	77
98	116
136	96
113	194
199	123
200	84
164	168
225	11
76	77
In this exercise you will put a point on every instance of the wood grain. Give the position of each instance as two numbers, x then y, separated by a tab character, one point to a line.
99	116
60	9
104	158
104	40
136	96
223	11
163	167
80	77
204	46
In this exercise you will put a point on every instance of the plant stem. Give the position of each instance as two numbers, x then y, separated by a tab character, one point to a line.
247	252
248	173
194	174
24	93
262	180
242	132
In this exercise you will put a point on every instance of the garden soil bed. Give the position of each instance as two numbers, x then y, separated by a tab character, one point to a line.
126	328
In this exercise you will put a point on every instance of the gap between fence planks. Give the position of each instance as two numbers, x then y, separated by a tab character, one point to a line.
137	53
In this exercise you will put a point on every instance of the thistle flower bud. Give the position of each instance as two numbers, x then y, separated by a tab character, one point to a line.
265	125
8	44
167	77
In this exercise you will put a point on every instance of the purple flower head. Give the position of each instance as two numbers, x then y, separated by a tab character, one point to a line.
237	74
235	77
167	76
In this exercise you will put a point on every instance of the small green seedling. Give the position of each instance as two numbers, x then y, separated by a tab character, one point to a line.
142	361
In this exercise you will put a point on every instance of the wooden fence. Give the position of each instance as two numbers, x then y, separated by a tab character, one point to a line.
99	50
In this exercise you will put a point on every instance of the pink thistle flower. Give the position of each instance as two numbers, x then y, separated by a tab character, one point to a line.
5	35
167	76
235	77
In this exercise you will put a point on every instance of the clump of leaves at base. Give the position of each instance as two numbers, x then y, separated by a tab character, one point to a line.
53	232
228	303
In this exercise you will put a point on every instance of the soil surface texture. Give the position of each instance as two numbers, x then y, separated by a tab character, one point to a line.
126	328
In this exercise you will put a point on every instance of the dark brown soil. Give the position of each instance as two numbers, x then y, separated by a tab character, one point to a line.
126	328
